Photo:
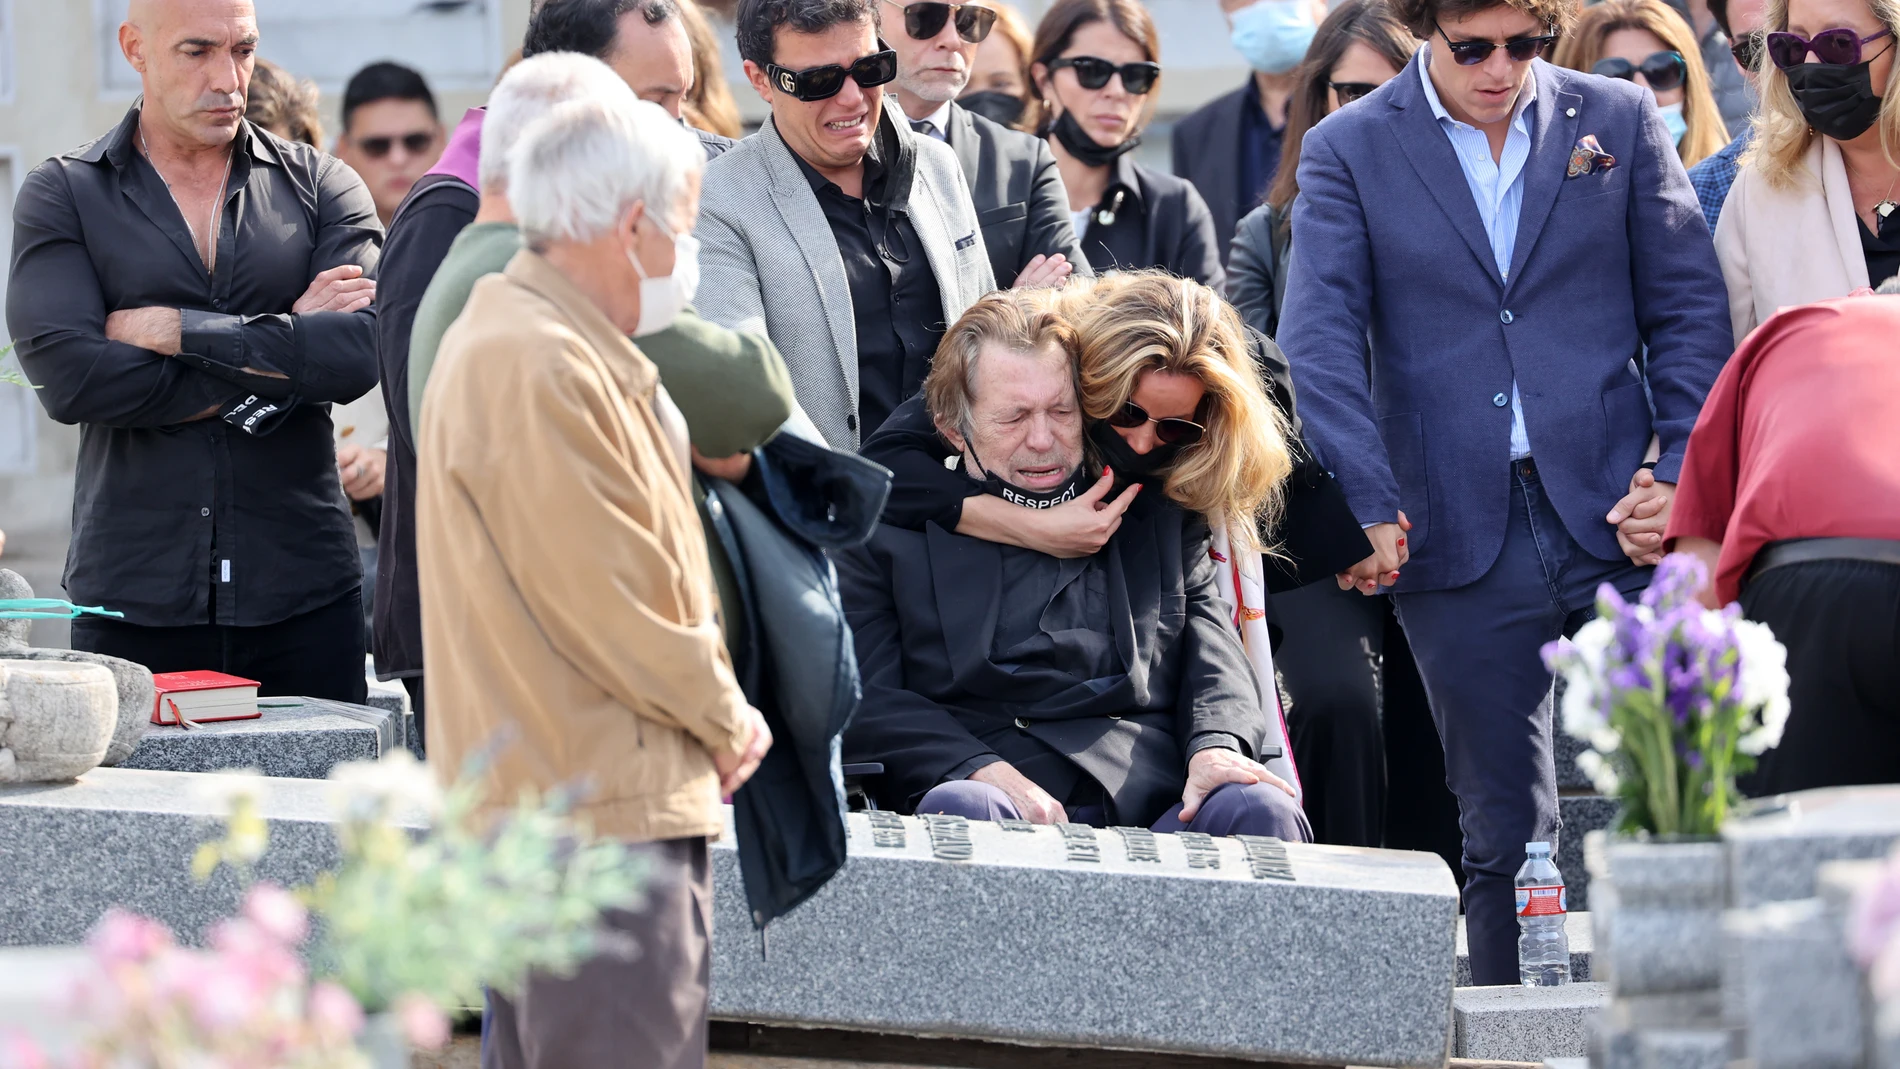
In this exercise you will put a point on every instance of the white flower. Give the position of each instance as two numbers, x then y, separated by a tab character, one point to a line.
398	786
1762	684
1584	685
1602	776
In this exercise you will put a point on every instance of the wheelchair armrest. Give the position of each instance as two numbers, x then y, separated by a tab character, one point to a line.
862	769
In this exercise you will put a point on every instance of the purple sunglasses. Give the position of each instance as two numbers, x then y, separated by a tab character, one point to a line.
1839	47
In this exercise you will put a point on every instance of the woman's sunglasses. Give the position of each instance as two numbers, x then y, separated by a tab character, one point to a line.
1662	70
1472	53
1171	431
1347	92
926	20
1839	47
1093	73
823	83
1747	49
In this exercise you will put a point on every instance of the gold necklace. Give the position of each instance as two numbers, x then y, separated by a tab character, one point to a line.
217	205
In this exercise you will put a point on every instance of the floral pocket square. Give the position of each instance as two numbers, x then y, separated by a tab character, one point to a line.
1588	157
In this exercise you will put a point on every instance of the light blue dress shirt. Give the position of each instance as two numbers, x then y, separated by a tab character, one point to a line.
1498	187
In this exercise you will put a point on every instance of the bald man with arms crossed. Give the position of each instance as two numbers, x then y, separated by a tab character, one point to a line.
194	292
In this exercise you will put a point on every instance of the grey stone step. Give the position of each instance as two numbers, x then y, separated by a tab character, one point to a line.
1576	929
1525	1024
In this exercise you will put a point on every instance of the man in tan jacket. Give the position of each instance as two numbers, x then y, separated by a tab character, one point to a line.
567	605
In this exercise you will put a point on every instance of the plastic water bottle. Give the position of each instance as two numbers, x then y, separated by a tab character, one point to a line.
1543	950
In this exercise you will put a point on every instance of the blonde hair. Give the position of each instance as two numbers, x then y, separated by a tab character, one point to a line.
1020	321
1134	322
709	104
1582	47
1782	135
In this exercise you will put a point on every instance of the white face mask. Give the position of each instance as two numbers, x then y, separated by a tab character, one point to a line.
663	299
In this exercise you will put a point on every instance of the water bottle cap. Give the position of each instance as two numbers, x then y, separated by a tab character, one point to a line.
1537	849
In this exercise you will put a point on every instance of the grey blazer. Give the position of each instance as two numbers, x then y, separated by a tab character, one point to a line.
769	264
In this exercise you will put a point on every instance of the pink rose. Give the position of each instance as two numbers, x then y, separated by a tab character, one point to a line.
334	1013
277	913
423	1022
121	936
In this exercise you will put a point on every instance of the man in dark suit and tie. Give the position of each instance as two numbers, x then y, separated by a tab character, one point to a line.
1000	682
1521	247
1020	203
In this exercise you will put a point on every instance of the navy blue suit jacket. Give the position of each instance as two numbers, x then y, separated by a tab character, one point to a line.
1388	247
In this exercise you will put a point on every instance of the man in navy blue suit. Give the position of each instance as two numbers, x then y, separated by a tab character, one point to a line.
1503	302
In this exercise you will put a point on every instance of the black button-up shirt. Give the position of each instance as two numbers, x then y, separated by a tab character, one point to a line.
169	508
895	302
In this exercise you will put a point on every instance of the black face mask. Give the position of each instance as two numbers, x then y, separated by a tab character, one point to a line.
995	106
1084	148
1839	102
1128	465
1069	490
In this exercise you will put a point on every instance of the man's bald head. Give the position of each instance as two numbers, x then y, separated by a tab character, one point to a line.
194	59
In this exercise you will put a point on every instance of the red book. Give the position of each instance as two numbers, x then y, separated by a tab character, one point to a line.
187	698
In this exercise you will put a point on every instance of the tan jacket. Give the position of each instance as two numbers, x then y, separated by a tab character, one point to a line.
1783	247
566	603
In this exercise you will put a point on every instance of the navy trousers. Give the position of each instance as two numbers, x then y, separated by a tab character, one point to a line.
1230	809
1478	651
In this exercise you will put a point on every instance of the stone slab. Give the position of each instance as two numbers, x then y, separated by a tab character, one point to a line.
304	740
1787	979
1582	814
126	837
1348	962
1525	1024
1329	955
1577	929
1774	851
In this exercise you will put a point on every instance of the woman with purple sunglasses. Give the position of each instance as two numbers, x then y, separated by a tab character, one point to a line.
1815	212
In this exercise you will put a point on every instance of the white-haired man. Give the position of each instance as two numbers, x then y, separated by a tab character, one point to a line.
586	490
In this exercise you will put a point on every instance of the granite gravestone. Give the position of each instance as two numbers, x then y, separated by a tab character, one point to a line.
1073	936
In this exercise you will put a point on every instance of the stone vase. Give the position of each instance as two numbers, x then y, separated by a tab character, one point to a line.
1656	913
56	719
137	695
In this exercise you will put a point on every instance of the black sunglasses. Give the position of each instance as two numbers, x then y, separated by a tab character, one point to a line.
1472	53
415	144
1347	92
1094	73
1662	70
823	83
1838	47
926	20
1172	430
1747	49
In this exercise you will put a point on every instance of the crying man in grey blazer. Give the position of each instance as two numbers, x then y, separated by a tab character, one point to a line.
839	233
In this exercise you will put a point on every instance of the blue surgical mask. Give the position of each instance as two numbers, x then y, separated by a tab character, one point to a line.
1273	34
1672	118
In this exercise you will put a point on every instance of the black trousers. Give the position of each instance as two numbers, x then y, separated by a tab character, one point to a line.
1362	729
1840	620
317	654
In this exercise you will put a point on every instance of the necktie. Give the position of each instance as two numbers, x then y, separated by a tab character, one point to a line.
927	128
